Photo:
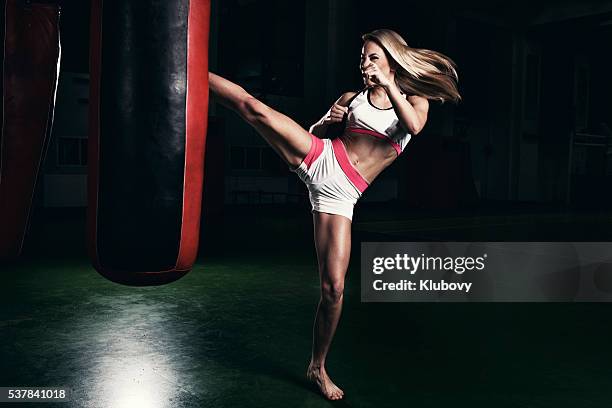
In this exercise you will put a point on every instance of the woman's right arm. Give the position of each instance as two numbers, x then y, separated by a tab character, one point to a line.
334	114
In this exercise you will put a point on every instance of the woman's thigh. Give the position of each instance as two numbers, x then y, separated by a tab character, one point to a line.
333	244
291	141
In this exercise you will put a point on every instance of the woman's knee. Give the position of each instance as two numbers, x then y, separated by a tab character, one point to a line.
332	292
253	110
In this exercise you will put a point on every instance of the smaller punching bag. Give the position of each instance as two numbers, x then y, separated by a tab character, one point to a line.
30	69
148	118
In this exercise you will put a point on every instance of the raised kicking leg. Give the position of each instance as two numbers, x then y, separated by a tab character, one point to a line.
290	140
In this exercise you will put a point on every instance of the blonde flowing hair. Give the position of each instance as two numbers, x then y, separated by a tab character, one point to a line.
422	72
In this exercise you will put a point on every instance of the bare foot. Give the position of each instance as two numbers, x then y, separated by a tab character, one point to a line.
319	376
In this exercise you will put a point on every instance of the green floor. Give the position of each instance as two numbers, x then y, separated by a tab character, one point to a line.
235	332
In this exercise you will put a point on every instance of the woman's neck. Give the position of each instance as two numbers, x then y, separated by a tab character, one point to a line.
378	92
379	97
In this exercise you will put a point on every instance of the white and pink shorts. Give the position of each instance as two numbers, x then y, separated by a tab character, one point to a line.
334	184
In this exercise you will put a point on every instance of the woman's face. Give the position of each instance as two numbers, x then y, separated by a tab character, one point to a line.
372	53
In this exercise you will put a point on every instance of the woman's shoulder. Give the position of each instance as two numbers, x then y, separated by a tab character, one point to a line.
417	99
348	97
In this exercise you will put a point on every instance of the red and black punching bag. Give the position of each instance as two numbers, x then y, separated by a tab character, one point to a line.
148	119
30	69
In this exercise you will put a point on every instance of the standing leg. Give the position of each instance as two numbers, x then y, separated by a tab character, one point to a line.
333	245
285	136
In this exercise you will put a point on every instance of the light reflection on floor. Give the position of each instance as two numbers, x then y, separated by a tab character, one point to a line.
131	380
130	367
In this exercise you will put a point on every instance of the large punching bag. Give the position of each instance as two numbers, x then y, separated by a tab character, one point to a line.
30	69
148	119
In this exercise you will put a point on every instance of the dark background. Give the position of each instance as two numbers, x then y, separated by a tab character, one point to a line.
533	128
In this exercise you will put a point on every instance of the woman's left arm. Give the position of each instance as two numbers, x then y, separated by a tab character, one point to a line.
411	111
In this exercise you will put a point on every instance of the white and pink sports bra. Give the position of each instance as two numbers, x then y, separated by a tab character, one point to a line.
364	117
